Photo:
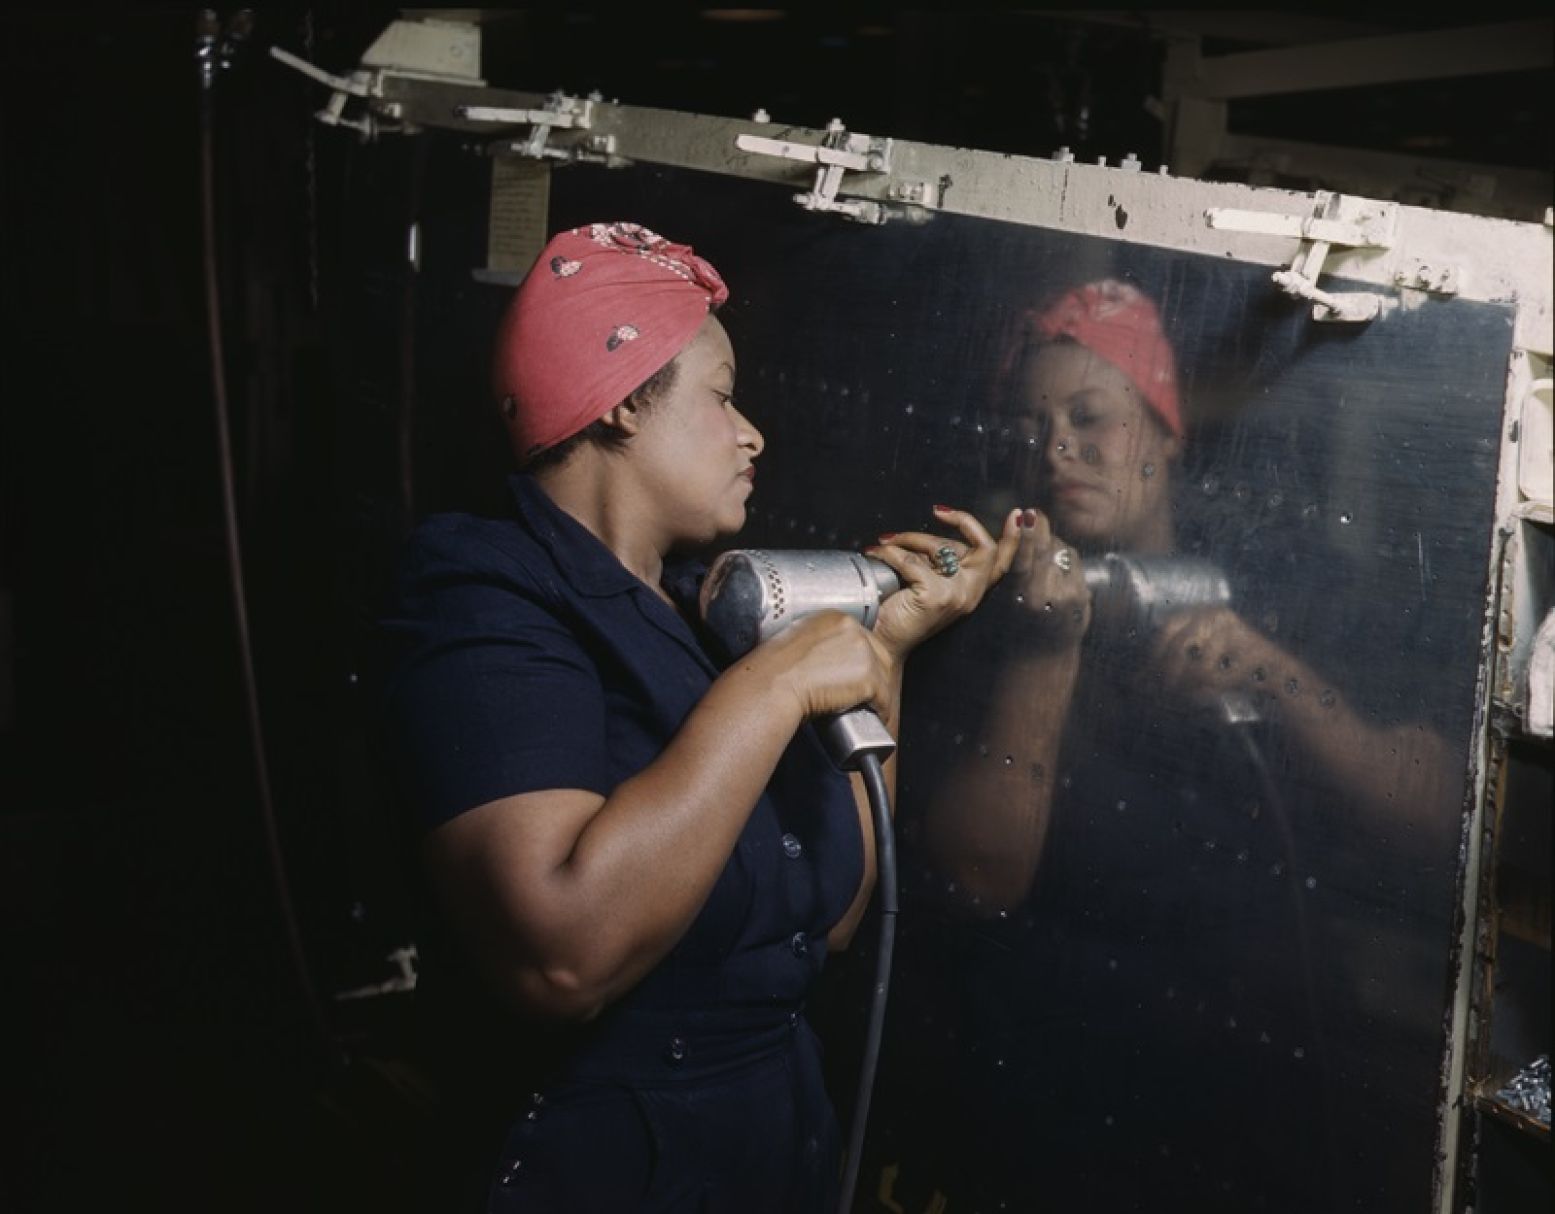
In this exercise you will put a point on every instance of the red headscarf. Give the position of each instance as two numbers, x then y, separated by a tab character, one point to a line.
1116	322
603	308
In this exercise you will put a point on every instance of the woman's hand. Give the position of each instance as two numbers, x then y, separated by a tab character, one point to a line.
1051	605
1205	654
829	662
928	600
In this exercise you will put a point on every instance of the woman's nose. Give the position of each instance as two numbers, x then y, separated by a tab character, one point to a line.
749	436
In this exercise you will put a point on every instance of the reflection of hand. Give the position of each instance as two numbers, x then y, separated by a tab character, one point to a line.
1051	600
928	601
1206	653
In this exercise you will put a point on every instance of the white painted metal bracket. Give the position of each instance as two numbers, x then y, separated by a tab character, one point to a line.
561	113
363	84
1361	223
840	152
436	51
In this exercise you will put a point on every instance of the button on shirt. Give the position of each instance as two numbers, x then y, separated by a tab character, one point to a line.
526	657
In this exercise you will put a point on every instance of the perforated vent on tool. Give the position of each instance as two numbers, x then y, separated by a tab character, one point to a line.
774	585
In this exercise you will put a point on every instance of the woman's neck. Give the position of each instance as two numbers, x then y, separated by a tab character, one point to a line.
1155	536
606	502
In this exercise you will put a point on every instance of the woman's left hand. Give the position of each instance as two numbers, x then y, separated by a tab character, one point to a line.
929	599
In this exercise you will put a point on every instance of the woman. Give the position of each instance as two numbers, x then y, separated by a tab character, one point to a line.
1139	999
637	861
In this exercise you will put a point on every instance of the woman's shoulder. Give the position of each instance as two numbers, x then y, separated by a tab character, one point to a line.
451	542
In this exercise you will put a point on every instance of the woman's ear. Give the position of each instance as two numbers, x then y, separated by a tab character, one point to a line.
625	417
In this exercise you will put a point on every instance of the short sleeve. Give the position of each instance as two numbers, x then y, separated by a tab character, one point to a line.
489	693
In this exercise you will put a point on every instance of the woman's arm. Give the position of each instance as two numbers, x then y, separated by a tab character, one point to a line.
985	817
567	898
1393	773
926	605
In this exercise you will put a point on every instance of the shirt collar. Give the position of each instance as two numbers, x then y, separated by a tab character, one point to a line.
582	557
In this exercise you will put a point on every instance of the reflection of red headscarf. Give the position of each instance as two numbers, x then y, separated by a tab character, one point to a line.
603	308
1115	321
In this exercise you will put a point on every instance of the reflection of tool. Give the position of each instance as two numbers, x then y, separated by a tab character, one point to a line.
1137	594
749	596
1141	592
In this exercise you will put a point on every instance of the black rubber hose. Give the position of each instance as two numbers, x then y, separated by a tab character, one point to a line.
236	576
885	884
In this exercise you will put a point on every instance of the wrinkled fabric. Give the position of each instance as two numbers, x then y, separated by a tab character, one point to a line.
603	308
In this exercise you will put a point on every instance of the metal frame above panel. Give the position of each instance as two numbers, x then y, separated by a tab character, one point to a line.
1431	251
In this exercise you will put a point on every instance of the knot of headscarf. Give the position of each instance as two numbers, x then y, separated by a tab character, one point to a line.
604	307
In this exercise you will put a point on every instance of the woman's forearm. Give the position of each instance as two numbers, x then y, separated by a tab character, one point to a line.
986	820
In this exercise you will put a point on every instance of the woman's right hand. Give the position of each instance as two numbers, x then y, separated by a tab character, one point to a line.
1046	585
829	662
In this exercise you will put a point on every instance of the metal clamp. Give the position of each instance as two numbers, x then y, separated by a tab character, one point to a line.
367	85
839	152
1335	219
561	113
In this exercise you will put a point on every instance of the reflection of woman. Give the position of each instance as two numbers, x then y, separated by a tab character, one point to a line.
1137	1020
1096	395
637	862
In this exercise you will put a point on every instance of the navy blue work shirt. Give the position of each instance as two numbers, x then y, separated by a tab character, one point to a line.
524	657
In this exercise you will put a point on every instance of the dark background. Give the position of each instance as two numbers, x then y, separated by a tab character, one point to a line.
165	1044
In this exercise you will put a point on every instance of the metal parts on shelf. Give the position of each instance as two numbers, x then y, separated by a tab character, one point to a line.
1335	220
1529	1090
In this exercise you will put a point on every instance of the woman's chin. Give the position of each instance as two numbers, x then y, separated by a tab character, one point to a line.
1081	528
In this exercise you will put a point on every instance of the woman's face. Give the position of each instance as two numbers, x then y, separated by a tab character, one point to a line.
1101	457
695	451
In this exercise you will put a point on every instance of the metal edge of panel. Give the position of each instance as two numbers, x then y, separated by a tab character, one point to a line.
1475	884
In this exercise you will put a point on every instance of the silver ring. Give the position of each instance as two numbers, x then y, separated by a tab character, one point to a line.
945	561
1064	559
